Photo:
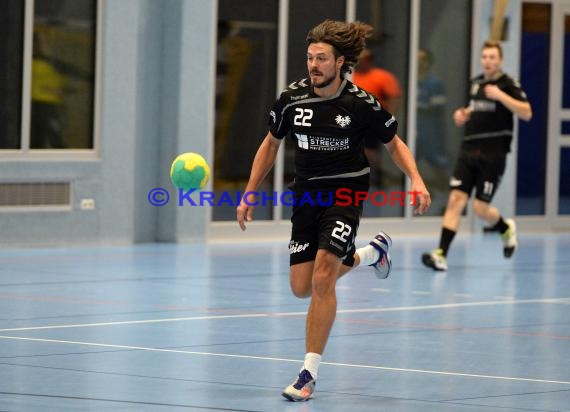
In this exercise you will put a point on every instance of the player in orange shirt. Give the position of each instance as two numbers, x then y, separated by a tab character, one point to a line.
386	88
380	82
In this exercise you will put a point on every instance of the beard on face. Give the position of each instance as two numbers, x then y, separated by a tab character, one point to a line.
324	83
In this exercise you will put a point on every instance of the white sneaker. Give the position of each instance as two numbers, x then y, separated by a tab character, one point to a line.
510	242
435	260
383	266
302	389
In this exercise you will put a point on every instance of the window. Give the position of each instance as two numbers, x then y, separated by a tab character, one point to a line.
61	75
389	48
533	136
441	89
11	48
245	91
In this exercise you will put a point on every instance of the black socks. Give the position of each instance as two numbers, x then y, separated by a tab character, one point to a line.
445	240
501	226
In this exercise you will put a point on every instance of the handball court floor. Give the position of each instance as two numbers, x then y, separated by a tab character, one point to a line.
214	327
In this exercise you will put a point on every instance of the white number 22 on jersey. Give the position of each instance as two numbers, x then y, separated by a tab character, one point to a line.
341	231
303	116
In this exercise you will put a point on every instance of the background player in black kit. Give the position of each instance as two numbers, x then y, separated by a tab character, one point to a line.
329	120
488	121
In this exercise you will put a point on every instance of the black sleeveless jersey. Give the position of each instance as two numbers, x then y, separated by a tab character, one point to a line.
491	124
330	133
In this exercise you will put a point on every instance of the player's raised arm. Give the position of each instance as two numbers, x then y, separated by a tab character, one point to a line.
262	164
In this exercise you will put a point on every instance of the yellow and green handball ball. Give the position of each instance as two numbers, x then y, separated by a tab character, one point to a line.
189	171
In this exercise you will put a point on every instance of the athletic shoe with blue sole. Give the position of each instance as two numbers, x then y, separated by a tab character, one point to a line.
383	266
302	389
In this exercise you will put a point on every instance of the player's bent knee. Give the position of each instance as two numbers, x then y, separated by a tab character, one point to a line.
480	208
457	200
300	279
324	282
301	290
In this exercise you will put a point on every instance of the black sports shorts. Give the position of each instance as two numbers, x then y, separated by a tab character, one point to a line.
323	227
479	170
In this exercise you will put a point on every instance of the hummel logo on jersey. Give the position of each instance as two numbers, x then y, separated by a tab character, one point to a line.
295	247
273	117
303	96
389	122
296	85
455	182
369	98
342	121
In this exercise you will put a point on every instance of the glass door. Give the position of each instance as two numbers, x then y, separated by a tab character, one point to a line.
564	141
558	155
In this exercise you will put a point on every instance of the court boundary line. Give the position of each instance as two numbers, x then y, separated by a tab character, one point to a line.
122	401
275	359
285	314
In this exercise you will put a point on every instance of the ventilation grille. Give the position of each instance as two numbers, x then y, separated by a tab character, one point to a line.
35	194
